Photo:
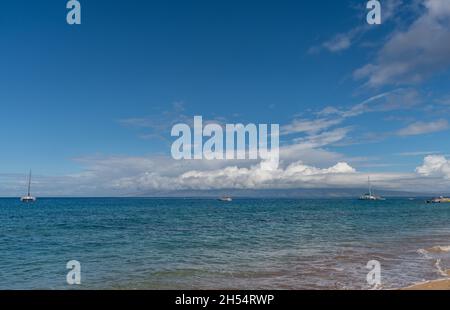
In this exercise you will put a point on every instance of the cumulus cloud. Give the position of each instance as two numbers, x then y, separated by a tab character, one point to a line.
163	174
435	166
130	176
260	176
412	55
135	176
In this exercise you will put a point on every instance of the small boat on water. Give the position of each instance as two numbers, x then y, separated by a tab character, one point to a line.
371	195
28	197
226	199
441	199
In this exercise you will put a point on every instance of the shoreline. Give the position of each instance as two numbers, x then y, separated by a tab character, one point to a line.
433	285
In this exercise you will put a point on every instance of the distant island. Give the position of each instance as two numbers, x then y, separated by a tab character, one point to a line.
283	193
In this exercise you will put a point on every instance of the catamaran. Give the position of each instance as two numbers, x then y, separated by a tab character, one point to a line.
371	195
28	197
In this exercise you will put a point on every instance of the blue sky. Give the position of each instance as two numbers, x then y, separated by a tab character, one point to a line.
94	103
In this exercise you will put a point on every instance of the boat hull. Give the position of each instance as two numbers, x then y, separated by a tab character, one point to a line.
226	199
371	198
28	199
439	200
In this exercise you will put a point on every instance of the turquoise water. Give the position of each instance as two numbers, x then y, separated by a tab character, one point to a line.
206	244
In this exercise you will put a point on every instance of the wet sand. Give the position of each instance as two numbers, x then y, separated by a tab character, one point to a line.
438	285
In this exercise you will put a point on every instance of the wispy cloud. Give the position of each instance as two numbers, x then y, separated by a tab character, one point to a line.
417	153
157	125
309	126
420	128
444	101
321	139
412	55
398	99
339	42
332	126
345	40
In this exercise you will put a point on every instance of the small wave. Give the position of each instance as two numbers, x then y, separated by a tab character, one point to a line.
434	250
440	270
424	253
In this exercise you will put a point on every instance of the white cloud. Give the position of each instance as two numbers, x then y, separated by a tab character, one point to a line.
257	177
412	55
419	128
260	176
118	176
435	166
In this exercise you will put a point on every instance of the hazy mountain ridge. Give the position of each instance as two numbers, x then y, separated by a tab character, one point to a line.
291	193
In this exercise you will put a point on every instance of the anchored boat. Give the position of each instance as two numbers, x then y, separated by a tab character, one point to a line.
226	199
28	197
371	195
439	200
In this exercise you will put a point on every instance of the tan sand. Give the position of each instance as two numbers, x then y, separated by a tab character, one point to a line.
438	285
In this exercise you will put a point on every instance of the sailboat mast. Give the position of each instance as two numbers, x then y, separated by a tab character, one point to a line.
370	186
29	184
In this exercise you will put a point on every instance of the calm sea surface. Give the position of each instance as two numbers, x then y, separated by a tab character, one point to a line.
206	244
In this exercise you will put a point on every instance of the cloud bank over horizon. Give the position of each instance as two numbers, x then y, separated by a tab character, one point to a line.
122	176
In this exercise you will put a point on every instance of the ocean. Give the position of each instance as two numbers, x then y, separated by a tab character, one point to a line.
139	243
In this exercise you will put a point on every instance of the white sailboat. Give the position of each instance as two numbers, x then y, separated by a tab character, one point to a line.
226	199
371	195
28	197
